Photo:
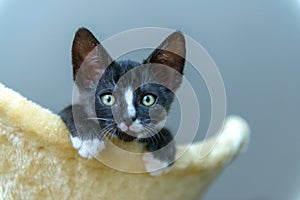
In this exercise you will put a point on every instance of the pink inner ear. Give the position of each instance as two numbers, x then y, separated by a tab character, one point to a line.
170	52
171	59
93	67
89	59
84	42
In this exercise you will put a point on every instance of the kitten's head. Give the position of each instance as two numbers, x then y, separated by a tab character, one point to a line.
129	99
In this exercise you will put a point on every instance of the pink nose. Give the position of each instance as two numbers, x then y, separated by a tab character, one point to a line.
128	122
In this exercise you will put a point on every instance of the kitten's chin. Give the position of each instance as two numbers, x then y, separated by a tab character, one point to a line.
125	136
136	134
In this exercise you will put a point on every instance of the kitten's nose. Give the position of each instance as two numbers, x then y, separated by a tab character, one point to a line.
128	121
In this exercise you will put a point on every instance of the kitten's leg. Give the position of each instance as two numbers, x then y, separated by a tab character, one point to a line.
161	154
85	136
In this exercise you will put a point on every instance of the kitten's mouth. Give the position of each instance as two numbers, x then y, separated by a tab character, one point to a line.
134	127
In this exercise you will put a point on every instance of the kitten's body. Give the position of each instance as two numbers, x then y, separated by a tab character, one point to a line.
130	100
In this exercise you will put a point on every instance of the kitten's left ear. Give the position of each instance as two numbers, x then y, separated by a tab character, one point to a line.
89	59
171	52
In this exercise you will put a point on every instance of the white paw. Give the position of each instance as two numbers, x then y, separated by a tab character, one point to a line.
155	166
88	148
76	142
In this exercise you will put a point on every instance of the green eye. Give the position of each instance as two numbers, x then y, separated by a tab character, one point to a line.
108	99
148	100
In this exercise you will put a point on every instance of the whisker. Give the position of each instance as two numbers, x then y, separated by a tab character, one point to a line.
108	128
102	119
159	135
151	134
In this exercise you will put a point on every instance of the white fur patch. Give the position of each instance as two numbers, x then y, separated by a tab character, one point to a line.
88	148
122	126
136	126
76	142
155	166
129	101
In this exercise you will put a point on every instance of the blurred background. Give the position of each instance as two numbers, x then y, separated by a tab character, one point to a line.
255	44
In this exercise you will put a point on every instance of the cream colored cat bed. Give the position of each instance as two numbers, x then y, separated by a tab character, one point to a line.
38	161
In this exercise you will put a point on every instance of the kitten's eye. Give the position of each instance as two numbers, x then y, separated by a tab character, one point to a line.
148	100
108	99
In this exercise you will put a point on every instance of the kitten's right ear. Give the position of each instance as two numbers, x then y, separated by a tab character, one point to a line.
171	52
89	59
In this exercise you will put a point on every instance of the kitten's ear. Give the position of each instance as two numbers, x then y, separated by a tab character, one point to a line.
171	52
90	57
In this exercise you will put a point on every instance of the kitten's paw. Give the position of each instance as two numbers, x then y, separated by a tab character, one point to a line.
88	148
154	165
76	142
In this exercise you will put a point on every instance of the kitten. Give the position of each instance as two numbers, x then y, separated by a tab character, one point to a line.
125	99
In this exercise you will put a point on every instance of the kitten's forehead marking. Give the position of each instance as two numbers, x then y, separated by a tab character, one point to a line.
129	100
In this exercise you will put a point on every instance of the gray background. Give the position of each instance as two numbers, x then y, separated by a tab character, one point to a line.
255	43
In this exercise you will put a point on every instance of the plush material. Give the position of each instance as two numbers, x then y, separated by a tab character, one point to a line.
38	161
